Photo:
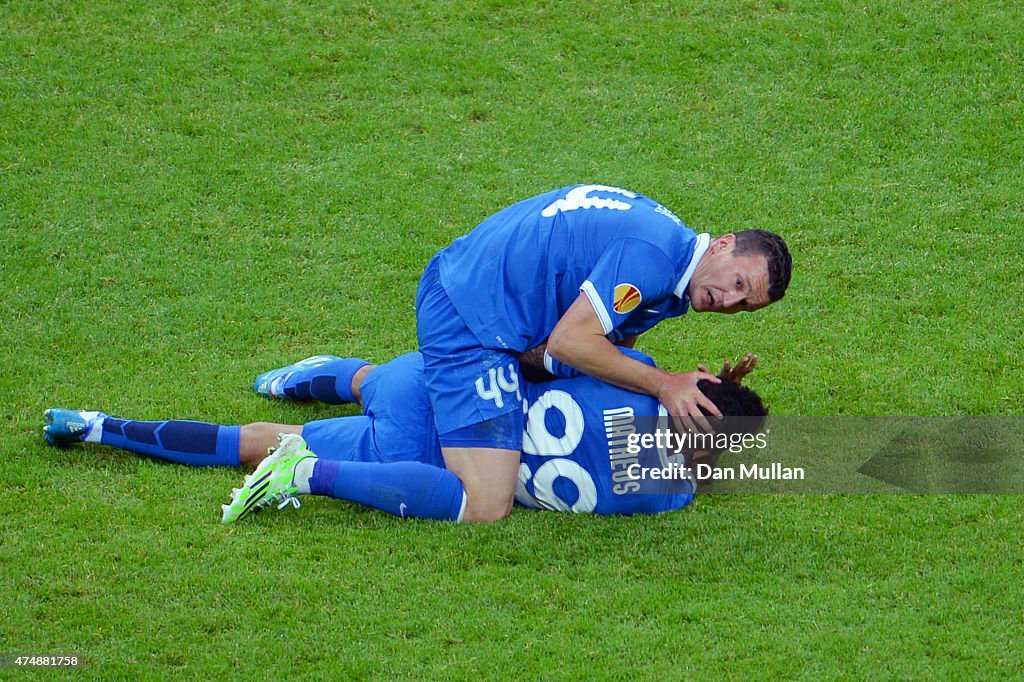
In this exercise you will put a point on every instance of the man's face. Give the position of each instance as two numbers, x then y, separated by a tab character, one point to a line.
726	283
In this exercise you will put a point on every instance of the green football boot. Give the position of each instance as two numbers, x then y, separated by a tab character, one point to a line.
273	482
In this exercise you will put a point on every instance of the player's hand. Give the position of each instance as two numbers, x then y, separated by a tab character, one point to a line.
683	400
534	357
744	367
531	365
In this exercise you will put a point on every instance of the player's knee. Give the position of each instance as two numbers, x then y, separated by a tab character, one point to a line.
486	508
485	515
488	477
256	439
357	382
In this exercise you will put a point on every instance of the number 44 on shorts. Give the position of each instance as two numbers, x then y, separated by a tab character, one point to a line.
499	383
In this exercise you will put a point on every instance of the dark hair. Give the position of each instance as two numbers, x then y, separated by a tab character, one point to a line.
773	248
742	410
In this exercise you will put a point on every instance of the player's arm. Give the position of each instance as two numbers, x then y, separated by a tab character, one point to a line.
532	362
579	340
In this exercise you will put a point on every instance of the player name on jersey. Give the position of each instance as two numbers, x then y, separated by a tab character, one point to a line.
619	426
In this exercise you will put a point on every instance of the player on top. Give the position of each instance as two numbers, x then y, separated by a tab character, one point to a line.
575	453
579	268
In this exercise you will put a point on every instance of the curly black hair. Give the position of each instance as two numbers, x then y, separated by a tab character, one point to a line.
743	412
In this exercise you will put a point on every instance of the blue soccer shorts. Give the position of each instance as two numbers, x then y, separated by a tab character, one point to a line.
397	424
474	391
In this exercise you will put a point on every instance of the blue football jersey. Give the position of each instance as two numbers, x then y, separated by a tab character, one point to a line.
513	277
576	454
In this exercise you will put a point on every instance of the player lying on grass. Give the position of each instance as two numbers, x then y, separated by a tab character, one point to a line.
575	454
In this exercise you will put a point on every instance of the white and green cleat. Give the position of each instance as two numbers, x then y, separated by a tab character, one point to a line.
273	482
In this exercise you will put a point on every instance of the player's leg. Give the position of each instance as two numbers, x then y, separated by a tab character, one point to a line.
388	458
403	488
357	381
258	439
476	401
406	489
183	442
489	477
326	378
485	457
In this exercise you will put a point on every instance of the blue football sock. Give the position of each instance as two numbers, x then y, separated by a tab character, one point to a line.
185	442
330	382
401	488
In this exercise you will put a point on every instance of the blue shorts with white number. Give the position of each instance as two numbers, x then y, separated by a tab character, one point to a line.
474	391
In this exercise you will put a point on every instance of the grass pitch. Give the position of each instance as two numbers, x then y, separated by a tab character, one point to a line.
191	193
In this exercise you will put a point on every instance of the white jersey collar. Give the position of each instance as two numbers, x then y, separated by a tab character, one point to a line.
703	242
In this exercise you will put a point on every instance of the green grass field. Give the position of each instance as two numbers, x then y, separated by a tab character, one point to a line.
191	193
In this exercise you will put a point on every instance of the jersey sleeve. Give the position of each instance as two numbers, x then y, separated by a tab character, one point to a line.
559	369
629	272
564	371
640	322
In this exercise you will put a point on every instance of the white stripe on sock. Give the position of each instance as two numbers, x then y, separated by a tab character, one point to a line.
95	422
